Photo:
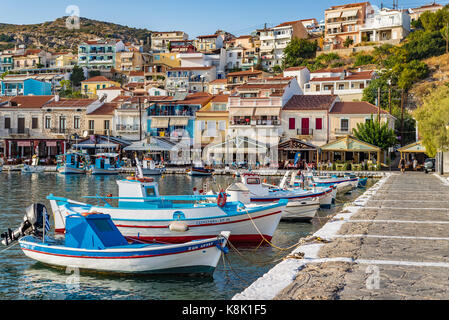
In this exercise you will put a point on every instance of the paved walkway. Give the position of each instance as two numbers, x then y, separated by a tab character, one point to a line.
395	247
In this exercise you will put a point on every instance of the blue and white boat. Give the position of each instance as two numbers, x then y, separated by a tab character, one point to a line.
106	164
141	213
298	199
93	243
73	163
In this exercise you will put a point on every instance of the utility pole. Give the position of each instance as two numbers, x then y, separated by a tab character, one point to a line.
402	116
140	120
378	104
389	98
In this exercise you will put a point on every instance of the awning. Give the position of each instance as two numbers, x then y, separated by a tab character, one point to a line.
352	13
268	112
241	112
179	122
159	123
332	15
127	54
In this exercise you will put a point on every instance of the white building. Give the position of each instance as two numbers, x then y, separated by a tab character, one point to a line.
386	26
189	60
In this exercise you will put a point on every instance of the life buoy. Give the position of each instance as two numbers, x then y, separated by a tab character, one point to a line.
222	199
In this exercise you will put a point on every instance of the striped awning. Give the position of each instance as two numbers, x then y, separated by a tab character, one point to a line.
352	13
179	122
268	112
332	15
244	112
159	123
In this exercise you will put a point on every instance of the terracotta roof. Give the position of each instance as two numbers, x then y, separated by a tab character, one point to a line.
350	5
33	51
219	81
220	98
359	107
27	102
310	102
209	36
71	103
261	86
136	73
97	79
330	70
289	23
201	98
122	99
244	73
105	110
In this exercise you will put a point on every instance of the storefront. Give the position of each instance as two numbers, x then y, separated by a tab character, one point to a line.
21	149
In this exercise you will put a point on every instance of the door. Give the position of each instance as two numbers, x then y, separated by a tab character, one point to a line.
21	125
305	127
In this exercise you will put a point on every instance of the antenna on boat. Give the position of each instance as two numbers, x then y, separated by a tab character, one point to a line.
139	172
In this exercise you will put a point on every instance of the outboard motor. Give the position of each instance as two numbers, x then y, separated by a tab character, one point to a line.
33	224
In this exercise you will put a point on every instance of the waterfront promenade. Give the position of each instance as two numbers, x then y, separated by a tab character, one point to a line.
391	243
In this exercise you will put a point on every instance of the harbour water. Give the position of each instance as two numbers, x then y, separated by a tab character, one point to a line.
22	278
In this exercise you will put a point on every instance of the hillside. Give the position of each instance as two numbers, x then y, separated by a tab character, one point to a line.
439	74
55	36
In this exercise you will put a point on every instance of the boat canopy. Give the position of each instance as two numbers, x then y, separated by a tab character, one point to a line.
93	231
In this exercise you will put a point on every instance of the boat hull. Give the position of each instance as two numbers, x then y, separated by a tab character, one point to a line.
34	169
199	257
69	170
99	171
153	172
300	211
252	225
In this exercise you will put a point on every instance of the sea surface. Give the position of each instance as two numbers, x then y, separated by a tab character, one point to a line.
22	278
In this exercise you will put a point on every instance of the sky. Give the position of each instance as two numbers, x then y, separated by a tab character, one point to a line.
195	17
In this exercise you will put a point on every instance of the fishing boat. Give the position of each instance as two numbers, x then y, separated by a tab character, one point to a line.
300	201
141	213
149	168
200	171
93	243
106	164
343	184
73	163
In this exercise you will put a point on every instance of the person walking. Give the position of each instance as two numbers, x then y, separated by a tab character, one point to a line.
402	165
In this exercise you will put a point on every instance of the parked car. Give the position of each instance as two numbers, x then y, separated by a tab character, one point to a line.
429	165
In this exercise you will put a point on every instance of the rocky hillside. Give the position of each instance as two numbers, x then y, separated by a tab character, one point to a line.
55	35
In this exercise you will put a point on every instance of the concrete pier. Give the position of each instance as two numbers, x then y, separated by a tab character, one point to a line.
391	243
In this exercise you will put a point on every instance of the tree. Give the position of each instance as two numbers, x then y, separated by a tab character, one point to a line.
363	60
348	42
376	133
433	120
77	76
298	51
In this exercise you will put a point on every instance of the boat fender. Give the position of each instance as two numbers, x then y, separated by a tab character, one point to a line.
222	199
178	226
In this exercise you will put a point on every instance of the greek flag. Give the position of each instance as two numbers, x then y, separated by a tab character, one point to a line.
47	221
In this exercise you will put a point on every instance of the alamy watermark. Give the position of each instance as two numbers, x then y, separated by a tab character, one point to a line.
373	281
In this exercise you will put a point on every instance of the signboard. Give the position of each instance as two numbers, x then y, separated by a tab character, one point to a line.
23	143
51	143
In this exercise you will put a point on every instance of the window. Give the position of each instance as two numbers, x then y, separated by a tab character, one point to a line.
292	124
62	124
106	124
341	87
7	123
47	122
344	125
253	181
76	122
91	124
211	128
319	124
34	123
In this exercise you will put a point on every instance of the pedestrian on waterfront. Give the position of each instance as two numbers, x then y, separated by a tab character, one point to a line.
402	165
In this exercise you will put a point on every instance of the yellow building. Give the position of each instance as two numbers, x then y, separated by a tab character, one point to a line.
89	87
345	116
100	121
169	59
65	60
212	121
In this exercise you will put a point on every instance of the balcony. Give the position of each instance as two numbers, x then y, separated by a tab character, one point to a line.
19	132
304	132
59	131
13	92
342	132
